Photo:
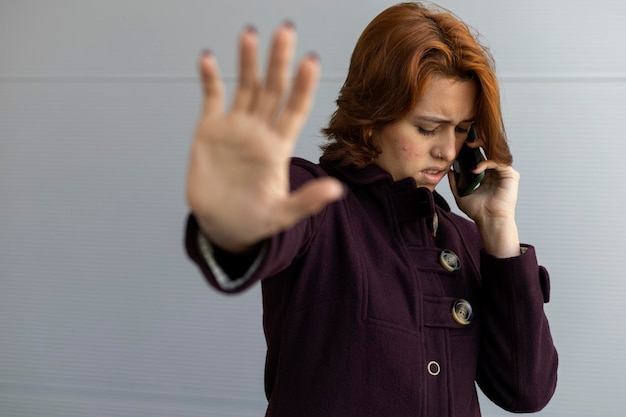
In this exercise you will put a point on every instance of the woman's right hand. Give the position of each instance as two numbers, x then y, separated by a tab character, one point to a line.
238	174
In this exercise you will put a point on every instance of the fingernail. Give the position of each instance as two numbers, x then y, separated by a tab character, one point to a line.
314	56
206	52
289	24
251	29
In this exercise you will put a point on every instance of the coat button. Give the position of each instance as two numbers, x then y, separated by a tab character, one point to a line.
462	312
433	368
435	225
449	260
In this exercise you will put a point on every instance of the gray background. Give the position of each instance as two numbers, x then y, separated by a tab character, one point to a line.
101	314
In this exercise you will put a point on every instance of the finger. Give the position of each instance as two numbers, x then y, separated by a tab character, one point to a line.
488	164
300	100
248	82
501	169
311	198
277	75
212	85
478	143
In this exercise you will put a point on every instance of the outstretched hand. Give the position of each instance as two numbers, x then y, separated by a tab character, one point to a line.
238	175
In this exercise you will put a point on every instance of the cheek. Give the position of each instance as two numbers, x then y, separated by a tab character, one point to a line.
409	150
400	145
459	146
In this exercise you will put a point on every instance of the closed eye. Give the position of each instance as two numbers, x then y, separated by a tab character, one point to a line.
426	132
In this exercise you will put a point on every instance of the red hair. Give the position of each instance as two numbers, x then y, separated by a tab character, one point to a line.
393	61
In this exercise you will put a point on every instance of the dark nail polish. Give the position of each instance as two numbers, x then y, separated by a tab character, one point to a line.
314	56
206	52
289	24
251	29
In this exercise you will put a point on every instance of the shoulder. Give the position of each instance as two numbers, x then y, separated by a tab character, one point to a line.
302	170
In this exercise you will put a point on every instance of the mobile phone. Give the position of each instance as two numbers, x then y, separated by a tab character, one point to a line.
466	161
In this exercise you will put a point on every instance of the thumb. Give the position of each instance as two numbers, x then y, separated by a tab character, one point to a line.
311	198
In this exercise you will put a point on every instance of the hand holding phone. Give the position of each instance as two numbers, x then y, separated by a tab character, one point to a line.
467	159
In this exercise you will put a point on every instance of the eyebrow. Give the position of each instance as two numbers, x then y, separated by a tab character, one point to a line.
434	119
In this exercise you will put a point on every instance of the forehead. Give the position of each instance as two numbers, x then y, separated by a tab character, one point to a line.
447	98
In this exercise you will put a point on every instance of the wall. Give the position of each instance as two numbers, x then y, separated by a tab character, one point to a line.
101	314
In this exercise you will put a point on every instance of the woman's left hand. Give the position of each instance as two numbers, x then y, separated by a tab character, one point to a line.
492	207
495	198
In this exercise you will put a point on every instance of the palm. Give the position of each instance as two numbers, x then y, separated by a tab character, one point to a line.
238	177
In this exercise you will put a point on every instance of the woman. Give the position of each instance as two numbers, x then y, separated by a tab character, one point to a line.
378	300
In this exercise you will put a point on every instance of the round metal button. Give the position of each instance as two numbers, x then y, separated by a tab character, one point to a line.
462	312
449	260
433	368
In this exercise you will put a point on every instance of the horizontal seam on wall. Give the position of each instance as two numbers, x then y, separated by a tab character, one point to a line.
567	78
181	79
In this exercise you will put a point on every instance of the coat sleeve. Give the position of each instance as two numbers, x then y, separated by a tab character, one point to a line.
230	273
518	363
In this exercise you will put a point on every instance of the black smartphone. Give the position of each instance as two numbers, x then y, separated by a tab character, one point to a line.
466	161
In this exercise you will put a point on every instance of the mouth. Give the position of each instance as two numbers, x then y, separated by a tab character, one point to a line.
433	176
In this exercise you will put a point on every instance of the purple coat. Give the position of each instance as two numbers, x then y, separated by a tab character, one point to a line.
358	308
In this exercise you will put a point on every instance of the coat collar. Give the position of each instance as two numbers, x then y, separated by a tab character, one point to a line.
408	198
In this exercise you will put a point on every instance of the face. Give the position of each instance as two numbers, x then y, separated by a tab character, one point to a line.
424	144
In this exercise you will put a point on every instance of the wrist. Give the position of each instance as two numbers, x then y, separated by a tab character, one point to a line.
223	239
500	237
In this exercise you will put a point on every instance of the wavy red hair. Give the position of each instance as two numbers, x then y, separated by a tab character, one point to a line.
393	61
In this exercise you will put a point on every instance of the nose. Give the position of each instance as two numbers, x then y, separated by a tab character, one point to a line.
446	147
